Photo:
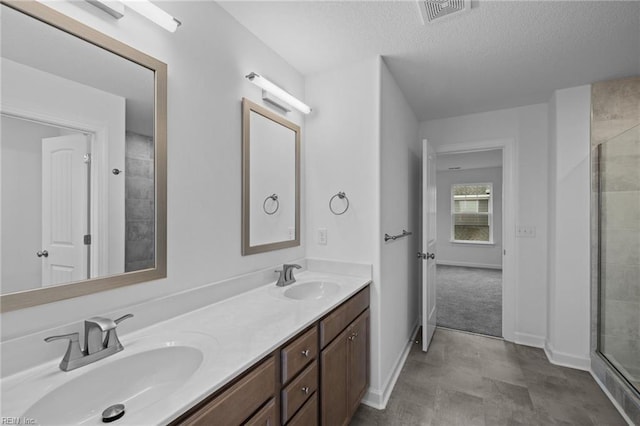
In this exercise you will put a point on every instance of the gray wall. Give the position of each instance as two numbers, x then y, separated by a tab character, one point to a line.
139	202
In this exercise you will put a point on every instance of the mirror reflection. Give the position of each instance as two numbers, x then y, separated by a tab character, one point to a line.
271	179
77	158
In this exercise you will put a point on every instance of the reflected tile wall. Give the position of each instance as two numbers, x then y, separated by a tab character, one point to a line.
139	202
615	139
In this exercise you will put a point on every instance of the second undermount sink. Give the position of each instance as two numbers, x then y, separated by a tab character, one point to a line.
312	290
136	381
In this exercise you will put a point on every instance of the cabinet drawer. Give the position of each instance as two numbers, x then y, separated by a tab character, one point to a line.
243	398
308	414
298	391
338	320
265	417
296	355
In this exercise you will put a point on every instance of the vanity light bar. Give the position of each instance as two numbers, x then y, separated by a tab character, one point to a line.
154	14
278	92
114	8
145	8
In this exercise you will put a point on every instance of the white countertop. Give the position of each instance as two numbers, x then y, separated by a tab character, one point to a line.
232	334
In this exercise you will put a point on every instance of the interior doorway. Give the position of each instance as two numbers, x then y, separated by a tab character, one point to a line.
470	222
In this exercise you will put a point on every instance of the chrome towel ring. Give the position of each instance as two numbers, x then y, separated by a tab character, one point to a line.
341	195
273	197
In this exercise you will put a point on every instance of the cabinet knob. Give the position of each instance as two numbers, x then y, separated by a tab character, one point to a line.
305	353
305	390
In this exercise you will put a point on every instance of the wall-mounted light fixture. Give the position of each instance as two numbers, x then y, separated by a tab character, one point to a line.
278	93
145	8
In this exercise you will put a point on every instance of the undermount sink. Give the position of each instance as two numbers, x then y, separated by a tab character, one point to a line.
314	290
136	381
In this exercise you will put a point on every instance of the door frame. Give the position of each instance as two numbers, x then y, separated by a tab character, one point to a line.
509	214
99	251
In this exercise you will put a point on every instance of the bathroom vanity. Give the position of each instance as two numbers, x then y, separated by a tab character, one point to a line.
294	355
317	377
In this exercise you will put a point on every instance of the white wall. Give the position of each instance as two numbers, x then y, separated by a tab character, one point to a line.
368	148
22	213
460	254
400	177
272	171
342	154
528	127
569	219
207	59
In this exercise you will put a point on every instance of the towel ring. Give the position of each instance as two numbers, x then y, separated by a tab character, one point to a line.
273	197
342	196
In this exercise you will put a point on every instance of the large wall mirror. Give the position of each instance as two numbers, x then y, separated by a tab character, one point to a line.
82	159
270	180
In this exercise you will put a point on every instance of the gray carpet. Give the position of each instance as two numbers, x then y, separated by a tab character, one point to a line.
470	299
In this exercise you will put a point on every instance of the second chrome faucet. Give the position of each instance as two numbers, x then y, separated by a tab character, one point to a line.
286	274
100	341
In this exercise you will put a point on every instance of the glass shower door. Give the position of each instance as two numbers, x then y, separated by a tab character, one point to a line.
618	168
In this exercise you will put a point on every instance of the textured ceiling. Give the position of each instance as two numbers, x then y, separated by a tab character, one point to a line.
499	54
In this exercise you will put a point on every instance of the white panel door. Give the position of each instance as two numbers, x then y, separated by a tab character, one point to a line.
64	209
428	244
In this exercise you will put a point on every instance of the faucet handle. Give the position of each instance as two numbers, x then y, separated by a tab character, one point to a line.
112	336
291	265
73	350
72	337
122	318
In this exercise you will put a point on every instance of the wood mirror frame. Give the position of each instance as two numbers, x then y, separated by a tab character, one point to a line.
247	108
40	296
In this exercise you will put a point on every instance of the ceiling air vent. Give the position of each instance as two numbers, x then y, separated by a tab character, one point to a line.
436	10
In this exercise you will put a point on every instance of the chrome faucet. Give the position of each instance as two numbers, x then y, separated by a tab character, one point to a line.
286	275
100	341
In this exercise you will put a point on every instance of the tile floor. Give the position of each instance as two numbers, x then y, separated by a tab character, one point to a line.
467	379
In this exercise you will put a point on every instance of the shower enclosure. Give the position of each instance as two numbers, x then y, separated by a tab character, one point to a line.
615	240
619	247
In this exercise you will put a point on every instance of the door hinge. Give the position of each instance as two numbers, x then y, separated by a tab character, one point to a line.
87	239
87	158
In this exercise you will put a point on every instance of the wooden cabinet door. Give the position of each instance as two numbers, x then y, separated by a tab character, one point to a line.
358	365
334	362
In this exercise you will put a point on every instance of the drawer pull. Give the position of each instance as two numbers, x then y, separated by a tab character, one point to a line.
305	390
305	353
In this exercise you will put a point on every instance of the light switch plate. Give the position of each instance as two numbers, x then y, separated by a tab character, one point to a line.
526	231
322	236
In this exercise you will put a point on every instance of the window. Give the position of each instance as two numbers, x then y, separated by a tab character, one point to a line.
472	213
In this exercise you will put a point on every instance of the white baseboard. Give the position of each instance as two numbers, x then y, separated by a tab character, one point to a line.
468	264
378	398
529	340
612	399
567	360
